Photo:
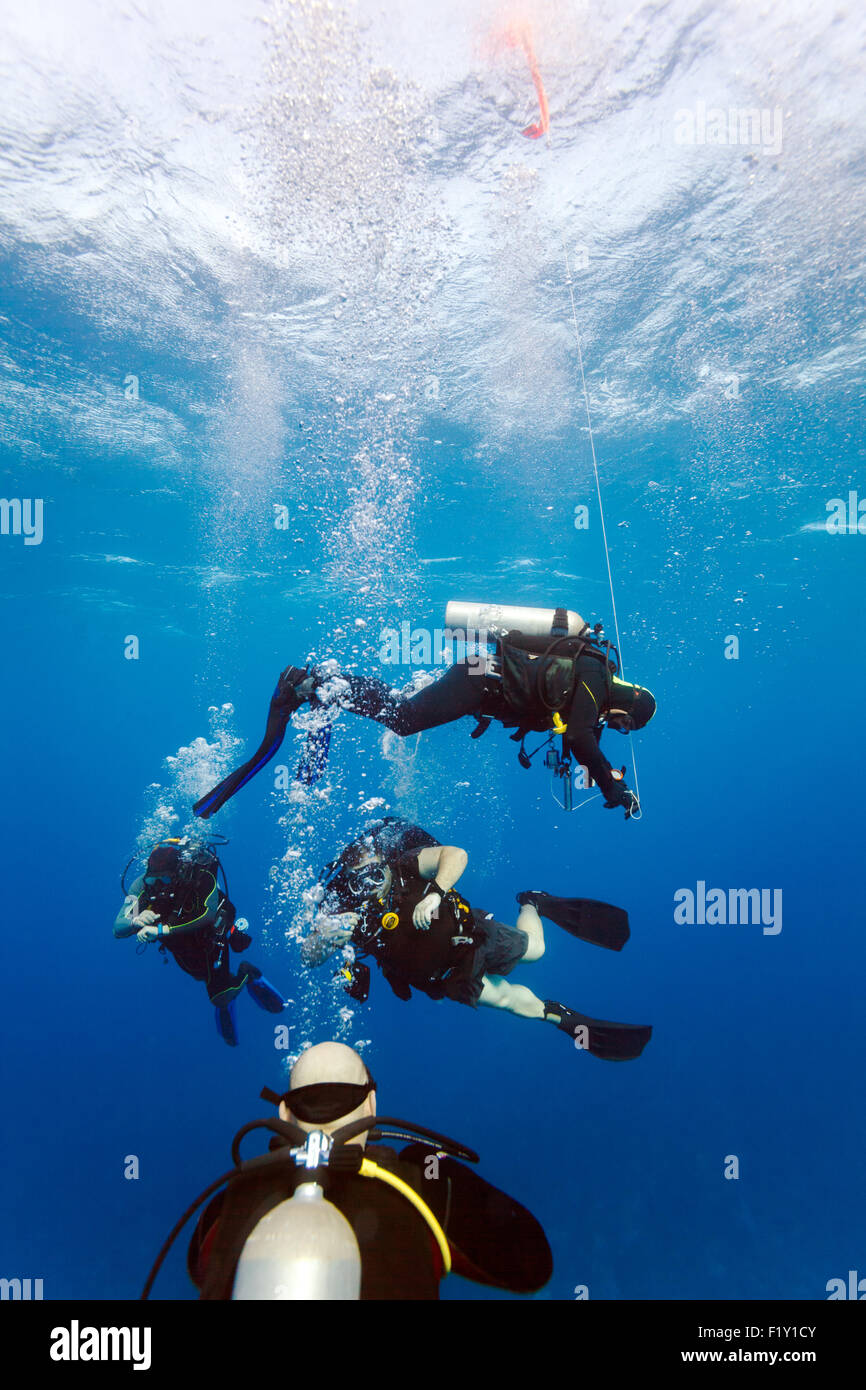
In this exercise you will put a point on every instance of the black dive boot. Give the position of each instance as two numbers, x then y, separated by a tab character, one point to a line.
294	688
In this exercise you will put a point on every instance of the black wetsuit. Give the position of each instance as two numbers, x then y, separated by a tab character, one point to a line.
467	687
465	690
461	690
202	950
492	1238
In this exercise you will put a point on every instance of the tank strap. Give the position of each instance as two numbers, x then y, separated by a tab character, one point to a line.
520	734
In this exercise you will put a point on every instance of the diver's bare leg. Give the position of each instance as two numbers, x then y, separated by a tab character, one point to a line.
497	993
530	922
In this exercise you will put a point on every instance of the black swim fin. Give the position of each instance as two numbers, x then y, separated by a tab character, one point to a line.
284	702
612	1042
602	924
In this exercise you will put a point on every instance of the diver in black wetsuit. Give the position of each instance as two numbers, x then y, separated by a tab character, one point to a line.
484	1235
178	902
564	684
391	895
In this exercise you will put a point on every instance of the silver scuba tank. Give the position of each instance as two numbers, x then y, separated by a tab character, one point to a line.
302	1250
497	618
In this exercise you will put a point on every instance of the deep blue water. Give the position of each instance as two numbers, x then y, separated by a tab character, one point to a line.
159	523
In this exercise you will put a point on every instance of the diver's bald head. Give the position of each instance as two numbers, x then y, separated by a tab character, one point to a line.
331	1061
328	1061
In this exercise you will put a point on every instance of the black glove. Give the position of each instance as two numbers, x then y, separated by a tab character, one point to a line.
239	939
620	795
617	791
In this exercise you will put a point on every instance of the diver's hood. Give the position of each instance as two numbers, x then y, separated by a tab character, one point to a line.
165	859
637	702
643	707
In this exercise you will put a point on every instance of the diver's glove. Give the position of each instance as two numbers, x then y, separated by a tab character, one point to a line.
428	907
620	795
239	934
627	800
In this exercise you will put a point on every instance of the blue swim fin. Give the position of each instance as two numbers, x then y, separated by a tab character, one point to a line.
263	992
227	1024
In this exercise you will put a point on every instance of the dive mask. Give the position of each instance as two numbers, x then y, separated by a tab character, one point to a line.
367	879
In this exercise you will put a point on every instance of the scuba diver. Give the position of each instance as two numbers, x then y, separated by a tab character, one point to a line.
551	674
362	1220
178	902
391	895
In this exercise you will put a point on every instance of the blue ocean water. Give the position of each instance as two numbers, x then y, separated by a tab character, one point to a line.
289	357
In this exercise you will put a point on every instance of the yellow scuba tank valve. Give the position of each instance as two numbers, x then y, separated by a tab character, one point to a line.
389	921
